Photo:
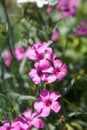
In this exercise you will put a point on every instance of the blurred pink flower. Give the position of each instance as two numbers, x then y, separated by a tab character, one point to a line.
39	73
46	102
81	29
55	35
33	119
40	51
7	58
48	9
58	72
20	124
19	53
68	7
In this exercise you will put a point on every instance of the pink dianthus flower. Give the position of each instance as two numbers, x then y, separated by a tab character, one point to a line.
46	102
58	72
20	124
33	119
81	29
67	7
39	73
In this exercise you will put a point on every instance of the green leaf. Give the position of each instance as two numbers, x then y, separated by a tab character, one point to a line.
24	97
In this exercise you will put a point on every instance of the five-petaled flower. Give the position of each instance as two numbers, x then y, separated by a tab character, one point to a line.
58	72
33	119
39	73
46	102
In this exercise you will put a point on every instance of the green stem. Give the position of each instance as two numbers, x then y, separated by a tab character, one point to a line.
10	30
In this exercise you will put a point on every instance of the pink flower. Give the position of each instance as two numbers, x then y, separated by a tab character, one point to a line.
48	9
81	29
7	58
39	51
20	124
67	7
46	102
19	53
39	73
33	119
58	72
55	35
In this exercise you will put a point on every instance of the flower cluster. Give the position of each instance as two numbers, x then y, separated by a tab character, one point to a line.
47	67
47	101
65	7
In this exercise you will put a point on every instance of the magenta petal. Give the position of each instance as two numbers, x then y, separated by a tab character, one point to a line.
36	65
45	112
44	95
62	73
20	121
32	73
44	77
38	105
55	95
43	47
49	70
17	127
31	54
27	113
44	64
38	123
56	107
36	79
51	78
57	63
37	45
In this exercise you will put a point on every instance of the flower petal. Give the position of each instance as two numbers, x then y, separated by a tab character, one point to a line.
32	73
62	73
44	64
45	112
57	63
55	95
27	113
38	123
38	106
36	79
31	54
56	107
52	78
